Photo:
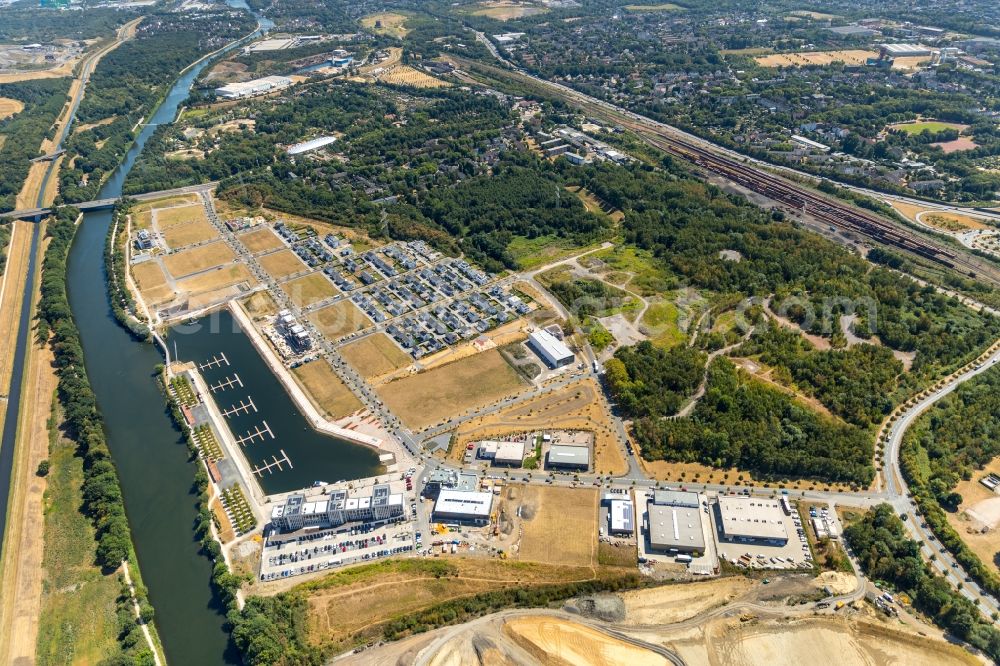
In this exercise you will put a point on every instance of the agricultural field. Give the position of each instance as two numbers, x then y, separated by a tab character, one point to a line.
579	406
329	394
196	260
813	58
436	395
10	107
559	524
387	23
337	320
375	355
309	289
260	240
505	11
152	282
404	75
281	264
189	233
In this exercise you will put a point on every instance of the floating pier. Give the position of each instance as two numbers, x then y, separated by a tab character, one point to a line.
227	383
255	434
242	408
276	463
216	362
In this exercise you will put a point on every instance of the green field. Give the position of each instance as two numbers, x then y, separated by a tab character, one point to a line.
534	252
661	320
933	126
78	624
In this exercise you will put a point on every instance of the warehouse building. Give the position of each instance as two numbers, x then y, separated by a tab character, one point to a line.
550	349
752	520
338	508
243	89
502	453
621	517
678	498
455	506
904	50
311	145
568	457
675	529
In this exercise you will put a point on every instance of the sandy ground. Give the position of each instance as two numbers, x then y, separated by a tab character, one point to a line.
10	107
21	584
676	603
555	641
64	69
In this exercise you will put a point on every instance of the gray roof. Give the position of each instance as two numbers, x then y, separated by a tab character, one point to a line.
675	527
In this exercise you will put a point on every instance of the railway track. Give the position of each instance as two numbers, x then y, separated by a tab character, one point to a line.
721	162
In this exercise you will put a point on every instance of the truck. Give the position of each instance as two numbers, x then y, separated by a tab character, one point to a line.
683	558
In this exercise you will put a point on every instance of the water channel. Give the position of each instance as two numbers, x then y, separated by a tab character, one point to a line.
152	461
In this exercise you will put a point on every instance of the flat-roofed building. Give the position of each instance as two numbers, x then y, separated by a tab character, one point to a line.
752	520
509	453
621	517
550	349
675	528
463	507
337	508
561	456
260	86
682	498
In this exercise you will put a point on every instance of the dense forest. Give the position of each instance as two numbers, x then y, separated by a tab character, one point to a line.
25	23
5	231
880	542
650	382
953	441
102	495
127	85
24	132
741	422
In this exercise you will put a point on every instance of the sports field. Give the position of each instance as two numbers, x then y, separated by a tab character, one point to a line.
375	355
337	320
433	396
328	393
281	264
260	240
560	525
811	58
932	126
195	260
189	233
152	282
505	11
309	289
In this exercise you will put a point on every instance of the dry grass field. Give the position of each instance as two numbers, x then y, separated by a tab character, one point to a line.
152	283
204	288
953	221
387	23
326	390
433	396
260	240
810	58
281	264
168	217
907	63
10	107
337	320
579	406
559	524
404	75
349	606
63	69
260	304
195	260
189	233
665	7
309	289
375	355
505	11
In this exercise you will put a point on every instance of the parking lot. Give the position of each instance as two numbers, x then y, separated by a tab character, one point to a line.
325	549
793	555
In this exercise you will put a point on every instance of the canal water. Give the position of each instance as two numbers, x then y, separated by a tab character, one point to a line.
285	431
152	460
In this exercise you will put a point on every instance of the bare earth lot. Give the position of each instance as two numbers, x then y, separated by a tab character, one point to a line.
327	391
152	282
309	289
375	355
260	240
337	320
849	57
198	259
281	264
189	233
560	524
433	396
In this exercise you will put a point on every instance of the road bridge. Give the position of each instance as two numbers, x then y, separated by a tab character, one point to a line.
103	204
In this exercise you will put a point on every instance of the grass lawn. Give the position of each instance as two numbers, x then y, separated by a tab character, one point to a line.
933	126
616	556
649	279
535	252
389	23
661	320
78	624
